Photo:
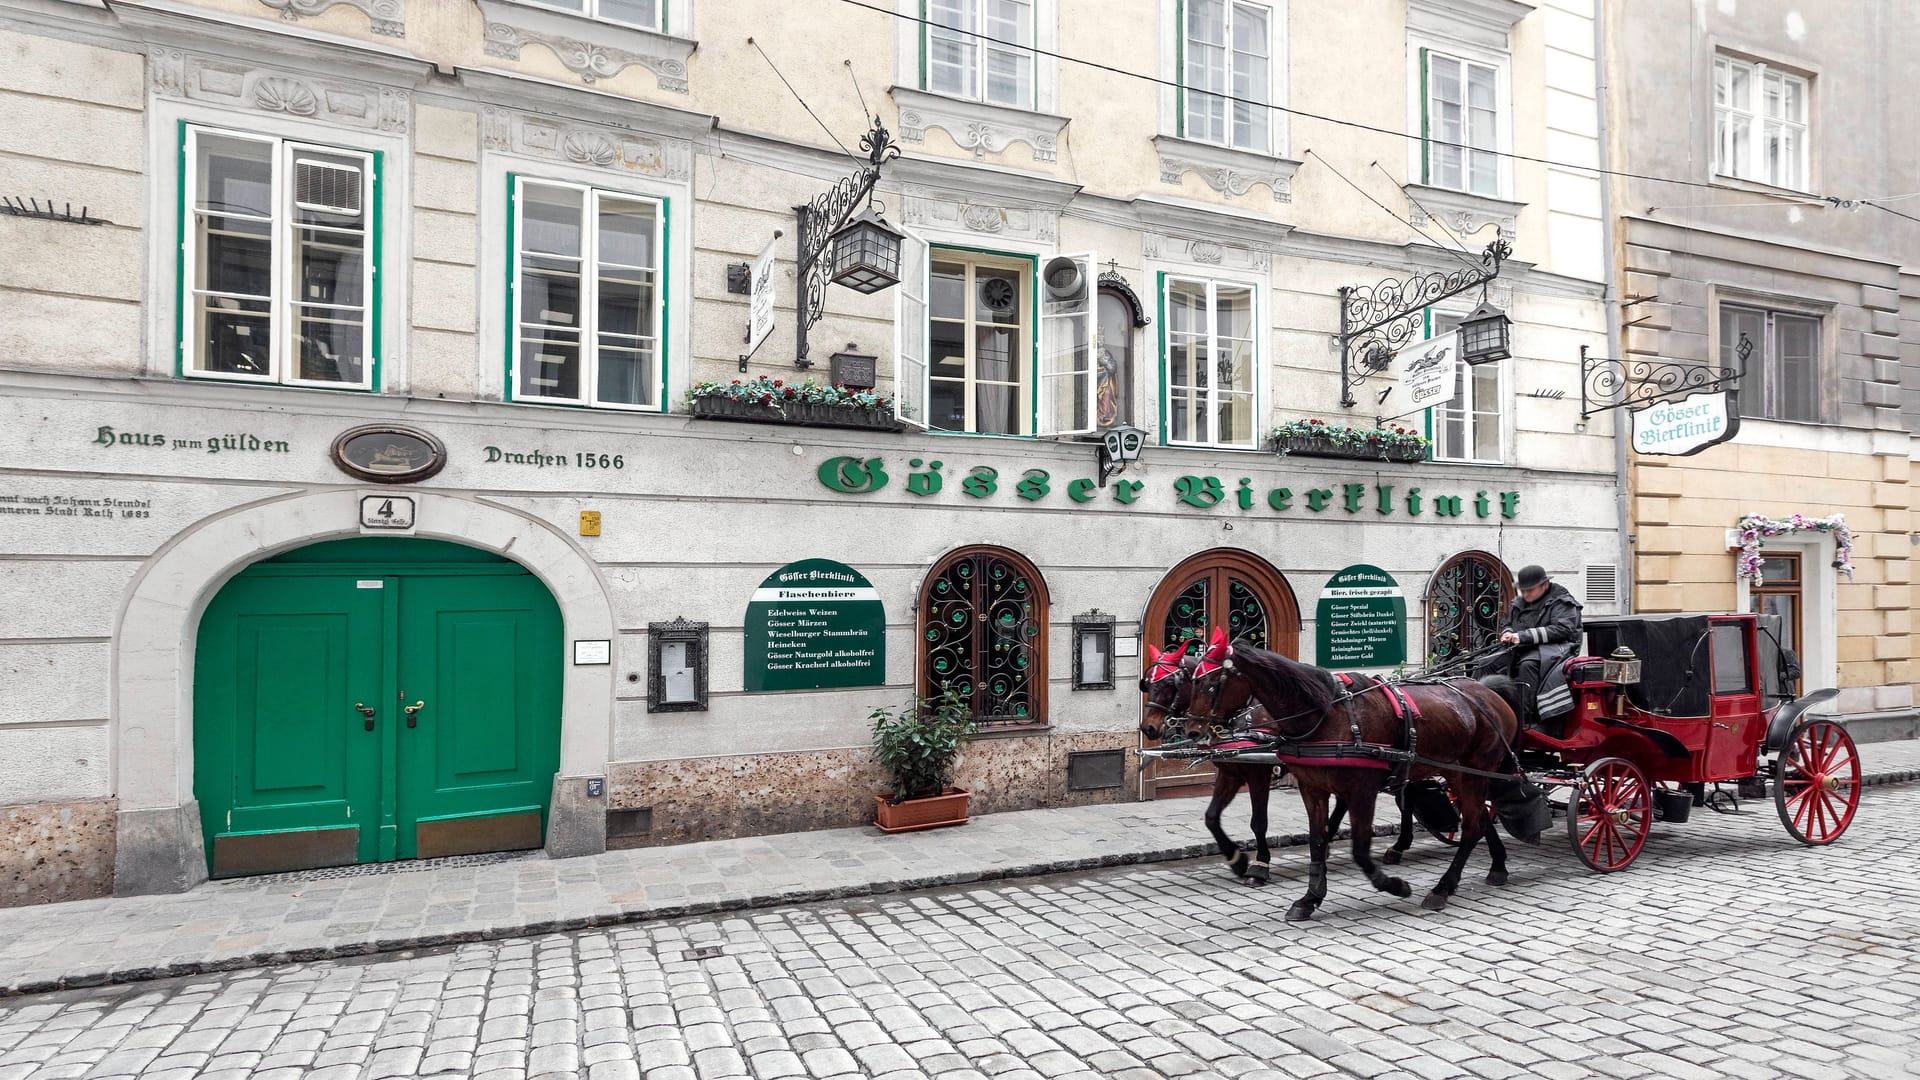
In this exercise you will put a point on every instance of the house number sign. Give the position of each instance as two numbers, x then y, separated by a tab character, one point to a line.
386	512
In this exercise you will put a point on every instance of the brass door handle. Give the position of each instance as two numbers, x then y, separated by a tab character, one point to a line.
413	721
366	712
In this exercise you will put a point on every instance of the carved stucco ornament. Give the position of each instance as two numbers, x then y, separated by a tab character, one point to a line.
590	60
386	17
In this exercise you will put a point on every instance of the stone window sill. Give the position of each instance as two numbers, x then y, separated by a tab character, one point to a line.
590	48
1464	212
977	126
1230	172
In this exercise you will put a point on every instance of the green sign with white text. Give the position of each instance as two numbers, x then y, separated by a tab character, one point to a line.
815	624
1361	620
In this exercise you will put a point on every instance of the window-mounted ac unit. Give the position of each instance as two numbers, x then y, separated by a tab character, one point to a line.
326	187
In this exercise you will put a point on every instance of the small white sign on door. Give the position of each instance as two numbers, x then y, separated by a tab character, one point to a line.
387	512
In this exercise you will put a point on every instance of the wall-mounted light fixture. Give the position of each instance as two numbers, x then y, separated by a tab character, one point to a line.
1093	651
677	666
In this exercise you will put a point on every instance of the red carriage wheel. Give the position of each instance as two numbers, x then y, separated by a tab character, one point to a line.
1817	782
1609	814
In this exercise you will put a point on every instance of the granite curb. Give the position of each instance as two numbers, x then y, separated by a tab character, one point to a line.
662	912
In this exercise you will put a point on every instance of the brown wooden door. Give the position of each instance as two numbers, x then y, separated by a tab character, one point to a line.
1236	591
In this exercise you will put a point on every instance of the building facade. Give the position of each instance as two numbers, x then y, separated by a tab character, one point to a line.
1790	260
356	508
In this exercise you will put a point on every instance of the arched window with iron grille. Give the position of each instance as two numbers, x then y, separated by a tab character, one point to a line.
1466	603
983	629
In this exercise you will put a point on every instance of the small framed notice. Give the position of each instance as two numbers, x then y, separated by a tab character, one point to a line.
599	651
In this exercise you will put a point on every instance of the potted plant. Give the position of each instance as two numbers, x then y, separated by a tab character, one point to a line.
918	746
776	401
1317	438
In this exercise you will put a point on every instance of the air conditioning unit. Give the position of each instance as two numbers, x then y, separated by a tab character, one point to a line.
1064	279
326	187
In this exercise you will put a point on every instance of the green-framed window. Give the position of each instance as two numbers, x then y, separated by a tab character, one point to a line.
587	296
1226	73
979	49
1210	358
1470	426
645	14
279	278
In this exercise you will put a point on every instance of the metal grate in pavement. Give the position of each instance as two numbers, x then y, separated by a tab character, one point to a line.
406	866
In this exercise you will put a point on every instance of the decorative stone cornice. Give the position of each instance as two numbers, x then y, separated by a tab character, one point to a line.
186	76
928	208
975	126
385	16
590	48
1202	252
1232	173
1461	212
1180	217
984	180
614	111
599	145
1483	22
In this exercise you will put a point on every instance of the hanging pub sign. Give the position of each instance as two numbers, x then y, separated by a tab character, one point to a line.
1687	426
1429	370
1361	621
815	624
388	454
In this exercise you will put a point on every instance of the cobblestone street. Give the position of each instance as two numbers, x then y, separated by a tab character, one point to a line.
1727	950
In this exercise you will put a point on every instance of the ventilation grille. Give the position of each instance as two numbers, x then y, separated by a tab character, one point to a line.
326	187
1603	584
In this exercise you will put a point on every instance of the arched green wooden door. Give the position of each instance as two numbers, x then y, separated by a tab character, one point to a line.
375	699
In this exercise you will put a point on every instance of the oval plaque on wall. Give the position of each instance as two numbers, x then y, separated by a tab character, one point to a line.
386	454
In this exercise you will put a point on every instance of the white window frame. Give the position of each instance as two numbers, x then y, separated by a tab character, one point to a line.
1472	413
281	304
1424	56
589	302
1752	115
912	332
1057	338
591	9
984	43
911	31
1762	371
1275	85
1167	278
1028	268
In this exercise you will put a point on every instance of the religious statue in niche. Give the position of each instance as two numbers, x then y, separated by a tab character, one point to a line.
1113	359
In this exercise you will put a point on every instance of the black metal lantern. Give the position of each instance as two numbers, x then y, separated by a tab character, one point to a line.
1486	335
866	254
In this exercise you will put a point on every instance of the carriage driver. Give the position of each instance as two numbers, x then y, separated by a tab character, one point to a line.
1543	623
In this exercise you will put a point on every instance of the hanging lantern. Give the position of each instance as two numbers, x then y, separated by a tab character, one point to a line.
866	254
1486	335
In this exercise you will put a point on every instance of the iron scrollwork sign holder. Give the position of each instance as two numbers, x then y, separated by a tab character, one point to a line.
820	219
1376	320
1607	383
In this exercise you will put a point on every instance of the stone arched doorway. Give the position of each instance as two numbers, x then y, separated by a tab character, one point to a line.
159	847
1237	591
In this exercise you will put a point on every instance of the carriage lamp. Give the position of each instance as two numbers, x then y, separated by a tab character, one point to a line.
1486	335
1093	651
1622	668
1118	448
866	254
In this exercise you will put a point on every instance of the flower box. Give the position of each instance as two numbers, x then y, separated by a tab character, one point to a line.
1320	446
804	413
947	808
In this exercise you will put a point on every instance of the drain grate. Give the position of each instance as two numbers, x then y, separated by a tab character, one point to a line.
409	866
701	952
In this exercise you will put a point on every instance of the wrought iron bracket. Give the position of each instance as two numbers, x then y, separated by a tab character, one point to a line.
1607	383
825	215
1376	320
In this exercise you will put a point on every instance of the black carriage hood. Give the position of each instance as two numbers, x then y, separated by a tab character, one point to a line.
1676	662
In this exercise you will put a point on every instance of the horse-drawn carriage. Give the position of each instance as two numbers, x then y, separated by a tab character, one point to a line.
1671	712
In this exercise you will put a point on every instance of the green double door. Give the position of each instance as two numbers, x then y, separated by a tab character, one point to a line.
375	699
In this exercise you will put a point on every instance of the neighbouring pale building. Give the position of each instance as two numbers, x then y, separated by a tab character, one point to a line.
352	506
1793	259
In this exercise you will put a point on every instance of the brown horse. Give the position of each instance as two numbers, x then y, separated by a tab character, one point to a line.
1461	725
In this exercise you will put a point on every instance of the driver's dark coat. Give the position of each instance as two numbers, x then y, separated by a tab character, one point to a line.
1551	626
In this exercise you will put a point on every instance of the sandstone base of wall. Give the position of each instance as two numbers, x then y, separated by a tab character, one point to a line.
688	799
50	852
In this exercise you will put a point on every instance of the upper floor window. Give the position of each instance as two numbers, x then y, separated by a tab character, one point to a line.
1782	380
1759	123
1212	355
980	49
1467	428
587	299
1460	123
646	14
1226	78
980	324
278	261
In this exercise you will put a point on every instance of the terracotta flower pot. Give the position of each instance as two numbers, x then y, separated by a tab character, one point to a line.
947	808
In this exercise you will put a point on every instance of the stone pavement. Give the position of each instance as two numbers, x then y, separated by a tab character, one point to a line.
253	923
1727	950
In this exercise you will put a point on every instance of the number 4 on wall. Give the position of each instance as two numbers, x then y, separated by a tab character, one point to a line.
386	513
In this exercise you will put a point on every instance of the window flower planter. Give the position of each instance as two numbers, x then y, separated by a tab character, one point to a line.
804	413
932	812
1362	449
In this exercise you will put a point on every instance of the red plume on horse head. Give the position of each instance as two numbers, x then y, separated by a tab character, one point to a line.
1167	664
1216	654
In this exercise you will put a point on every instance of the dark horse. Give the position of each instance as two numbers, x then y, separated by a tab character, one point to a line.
1462	725
1170	699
